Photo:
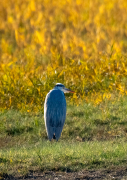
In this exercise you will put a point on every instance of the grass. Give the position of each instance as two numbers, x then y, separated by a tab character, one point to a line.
64	156
93	137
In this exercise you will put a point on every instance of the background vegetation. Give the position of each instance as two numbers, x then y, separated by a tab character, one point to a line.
79	43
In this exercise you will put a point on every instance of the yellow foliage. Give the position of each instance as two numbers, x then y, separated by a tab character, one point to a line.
79	43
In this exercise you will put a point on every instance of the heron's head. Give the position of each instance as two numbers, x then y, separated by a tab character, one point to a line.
63	88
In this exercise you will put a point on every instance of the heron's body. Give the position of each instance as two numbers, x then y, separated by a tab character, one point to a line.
55	111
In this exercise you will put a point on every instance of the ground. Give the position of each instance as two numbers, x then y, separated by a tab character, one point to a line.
93	144
115	173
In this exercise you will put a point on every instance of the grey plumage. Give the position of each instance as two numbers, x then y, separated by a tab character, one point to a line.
55	111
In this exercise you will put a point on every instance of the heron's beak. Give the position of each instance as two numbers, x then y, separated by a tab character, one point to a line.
68	91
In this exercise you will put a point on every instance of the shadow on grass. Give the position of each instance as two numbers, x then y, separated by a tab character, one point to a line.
100	122
77	113
107	121
3	160
114	118
17	131
123	122
86	134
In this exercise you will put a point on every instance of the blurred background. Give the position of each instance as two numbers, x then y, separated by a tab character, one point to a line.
82	44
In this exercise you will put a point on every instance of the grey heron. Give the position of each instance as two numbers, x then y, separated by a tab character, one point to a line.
55	111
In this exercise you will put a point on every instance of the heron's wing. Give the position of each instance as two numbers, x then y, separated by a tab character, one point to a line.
48	121
61	116
54	113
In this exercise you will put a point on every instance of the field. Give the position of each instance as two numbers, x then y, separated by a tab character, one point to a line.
82	44
92	138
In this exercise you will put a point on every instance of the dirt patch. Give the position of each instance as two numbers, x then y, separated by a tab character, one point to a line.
119	174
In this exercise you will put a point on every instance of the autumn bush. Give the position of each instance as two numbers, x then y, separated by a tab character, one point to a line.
81	44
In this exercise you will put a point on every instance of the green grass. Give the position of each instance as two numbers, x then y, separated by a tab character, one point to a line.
93	137
64	156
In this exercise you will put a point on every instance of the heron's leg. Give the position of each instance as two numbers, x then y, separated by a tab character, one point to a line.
54	137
